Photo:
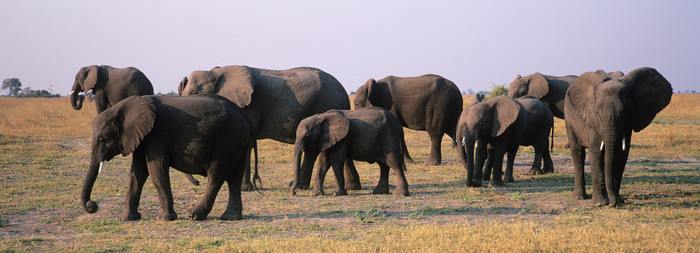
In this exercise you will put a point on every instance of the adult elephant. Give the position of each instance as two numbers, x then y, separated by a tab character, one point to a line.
428	102
275	100
601	114
205	135
109	85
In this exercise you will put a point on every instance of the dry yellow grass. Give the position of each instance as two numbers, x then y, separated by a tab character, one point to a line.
44	153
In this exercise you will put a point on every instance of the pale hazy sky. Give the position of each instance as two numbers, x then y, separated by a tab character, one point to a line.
474	44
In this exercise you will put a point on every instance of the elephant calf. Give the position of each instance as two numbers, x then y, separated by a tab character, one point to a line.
371	134
206	135
500	125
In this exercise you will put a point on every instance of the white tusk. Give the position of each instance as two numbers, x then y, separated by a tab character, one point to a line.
623	143
464	141
102	163
602	143
71	92
476	145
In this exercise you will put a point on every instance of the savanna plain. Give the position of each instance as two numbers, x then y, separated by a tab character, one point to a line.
45	151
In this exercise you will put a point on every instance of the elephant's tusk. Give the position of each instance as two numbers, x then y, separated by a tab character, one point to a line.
623	143
602	143
102	163
476	145
464	141
71	92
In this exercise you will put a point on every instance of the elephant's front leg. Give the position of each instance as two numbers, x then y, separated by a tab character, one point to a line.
578	156
137	178
597	160
159	170
509	165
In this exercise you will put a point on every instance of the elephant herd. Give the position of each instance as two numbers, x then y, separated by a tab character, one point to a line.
212	128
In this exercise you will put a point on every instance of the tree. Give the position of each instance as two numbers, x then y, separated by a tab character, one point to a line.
13	84
497	91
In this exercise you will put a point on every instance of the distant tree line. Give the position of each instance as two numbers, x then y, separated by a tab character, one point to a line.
14	87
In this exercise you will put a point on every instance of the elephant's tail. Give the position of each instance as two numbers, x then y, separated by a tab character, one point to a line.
551	145
255	174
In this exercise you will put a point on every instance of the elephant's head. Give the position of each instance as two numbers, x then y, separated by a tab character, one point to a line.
535	85
315	134
233	82
480	123
86	79
118	130
373	93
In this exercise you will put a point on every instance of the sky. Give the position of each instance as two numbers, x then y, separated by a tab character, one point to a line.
476	44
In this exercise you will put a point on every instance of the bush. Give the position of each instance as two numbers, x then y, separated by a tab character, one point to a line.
497	90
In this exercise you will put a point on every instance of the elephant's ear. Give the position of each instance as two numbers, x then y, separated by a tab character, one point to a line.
651	92
581	95
539	86
337	128
182	86
92	77
505	111
235	83
371	85
135	120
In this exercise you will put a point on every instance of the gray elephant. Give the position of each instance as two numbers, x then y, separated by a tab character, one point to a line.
370	134
205	135
500	125
428	102
275	100
109	85
601	114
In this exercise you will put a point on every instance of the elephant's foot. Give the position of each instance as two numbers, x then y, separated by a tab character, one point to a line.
535	171
353	186
408	159
168	216
247	187
474	183
401	191
231	216
318	192
617	200
198	213
600	200
432	162
130	216
303	186
509	179
340	192
497	182
486	177
381	190
548	170
580	195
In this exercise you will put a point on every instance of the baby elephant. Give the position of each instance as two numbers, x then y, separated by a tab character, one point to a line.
500	125
206	135
370	134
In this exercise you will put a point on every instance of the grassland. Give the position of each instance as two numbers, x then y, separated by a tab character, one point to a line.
44	154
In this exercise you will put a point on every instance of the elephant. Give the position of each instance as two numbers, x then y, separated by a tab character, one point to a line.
601	115
206	135
275	100
428	102
499	125
110	85
369	134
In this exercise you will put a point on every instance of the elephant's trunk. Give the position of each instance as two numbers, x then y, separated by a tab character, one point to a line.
76	100
297	168
612	144
93	170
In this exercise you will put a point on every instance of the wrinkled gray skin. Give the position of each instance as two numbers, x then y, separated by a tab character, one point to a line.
551	90
275	100
370	134
498	126
428	102
601	114
110	85
205	135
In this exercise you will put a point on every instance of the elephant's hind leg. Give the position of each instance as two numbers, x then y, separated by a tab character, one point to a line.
435	157
352	179
383	184
205	204
234	209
